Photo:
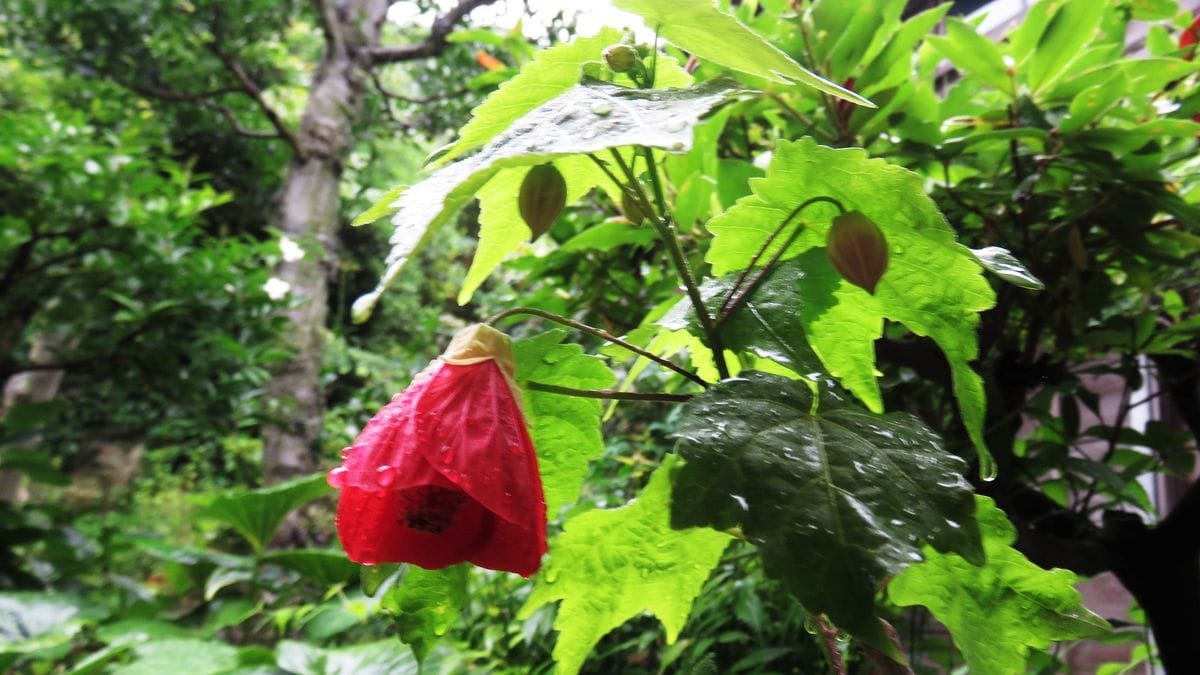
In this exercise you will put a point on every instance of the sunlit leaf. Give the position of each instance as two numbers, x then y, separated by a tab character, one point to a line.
699	28
587	118
998	611
565	429
609	566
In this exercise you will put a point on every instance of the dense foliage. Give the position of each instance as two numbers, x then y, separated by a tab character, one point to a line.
813	427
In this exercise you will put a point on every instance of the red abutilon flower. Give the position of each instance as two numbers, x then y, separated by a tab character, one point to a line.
446	472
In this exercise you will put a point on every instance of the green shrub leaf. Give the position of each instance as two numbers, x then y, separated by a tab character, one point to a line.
997	611
837	500
610	565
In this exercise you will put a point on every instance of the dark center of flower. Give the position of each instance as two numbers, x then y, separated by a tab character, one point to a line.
430	508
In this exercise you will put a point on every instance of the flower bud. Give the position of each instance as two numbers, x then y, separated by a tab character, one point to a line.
543	196
631	208
621	58
857	249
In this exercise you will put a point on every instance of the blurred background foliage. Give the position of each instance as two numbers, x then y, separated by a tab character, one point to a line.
136	330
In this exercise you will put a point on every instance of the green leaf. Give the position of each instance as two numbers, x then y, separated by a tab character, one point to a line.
384	206
837	500
610	565
973	54
933	285
587	118
999	611
502	230
425	604
1004	264
856	32
565	429
385	657
324	568
551	72
699	28
256	513
1154	10
1071	29
607	236
371	577
893	65
203	657
32	621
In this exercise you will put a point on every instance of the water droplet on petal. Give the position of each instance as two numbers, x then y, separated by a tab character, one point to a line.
385	475
346	451
337	477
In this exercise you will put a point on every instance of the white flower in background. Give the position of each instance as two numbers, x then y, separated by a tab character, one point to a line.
290	249
276	288
91	167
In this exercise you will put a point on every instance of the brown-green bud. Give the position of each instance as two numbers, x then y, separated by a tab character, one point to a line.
631	208
857	249
543	196
621	58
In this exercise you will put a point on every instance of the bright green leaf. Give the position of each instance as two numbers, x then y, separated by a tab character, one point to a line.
551	72
893	65
837	501
565	429
1071	29
501	228
998	611
699	28
607	236
256	513
384	206
425	604
973	54
610	565
585	119
933	285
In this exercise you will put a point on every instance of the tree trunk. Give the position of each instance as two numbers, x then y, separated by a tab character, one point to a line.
307	211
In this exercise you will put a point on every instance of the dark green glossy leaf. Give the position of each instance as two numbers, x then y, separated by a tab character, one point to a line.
837	499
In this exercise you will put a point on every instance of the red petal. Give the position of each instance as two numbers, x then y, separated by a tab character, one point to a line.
455	439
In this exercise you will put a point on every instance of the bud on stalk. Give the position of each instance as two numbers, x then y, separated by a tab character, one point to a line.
857	249
543	196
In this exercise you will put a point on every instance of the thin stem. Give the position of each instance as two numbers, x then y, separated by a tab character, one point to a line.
608	393
666	232
600	333
737	295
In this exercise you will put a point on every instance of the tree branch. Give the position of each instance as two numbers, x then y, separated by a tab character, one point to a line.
433	44
251	88
204	100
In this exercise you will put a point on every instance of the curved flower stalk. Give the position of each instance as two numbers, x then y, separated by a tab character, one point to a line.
446	472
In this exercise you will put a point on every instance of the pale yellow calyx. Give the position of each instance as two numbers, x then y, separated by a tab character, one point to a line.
477	343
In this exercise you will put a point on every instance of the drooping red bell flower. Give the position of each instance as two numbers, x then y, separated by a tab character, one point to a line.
446	472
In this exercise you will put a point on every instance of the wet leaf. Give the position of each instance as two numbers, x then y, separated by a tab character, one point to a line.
837	499
1002	263
998	611
565	429
609	566
425	604
586	118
